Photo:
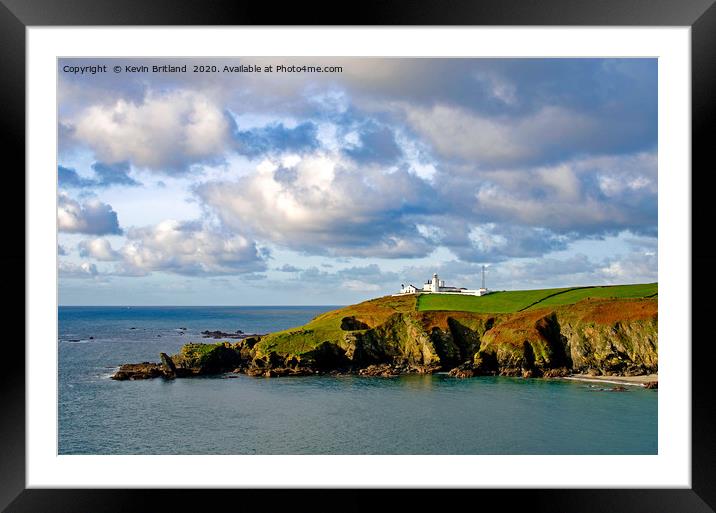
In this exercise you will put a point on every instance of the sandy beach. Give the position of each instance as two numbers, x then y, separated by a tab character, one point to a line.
616	380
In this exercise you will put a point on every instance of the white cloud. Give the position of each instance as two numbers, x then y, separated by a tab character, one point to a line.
164	132
81	270
188	248
99	249
459	133
632	268
326	204
92	217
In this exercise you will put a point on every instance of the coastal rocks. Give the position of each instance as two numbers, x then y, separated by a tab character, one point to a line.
326	356
201	359
556	373
168	368
134	371
400	339
483	364
465	370
651	385
192	360
363	348
221	334
600	338
279	371
384	370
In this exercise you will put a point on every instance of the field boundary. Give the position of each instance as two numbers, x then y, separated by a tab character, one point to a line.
552	295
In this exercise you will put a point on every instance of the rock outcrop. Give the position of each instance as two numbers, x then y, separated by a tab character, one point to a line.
133	371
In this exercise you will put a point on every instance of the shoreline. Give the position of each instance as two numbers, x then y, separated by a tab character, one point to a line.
638	381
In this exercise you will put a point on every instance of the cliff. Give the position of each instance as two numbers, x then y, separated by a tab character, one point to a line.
390	335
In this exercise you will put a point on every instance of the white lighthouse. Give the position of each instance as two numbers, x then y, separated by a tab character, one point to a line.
436	285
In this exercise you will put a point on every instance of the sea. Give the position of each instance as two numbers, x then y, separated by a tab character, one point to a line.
230	414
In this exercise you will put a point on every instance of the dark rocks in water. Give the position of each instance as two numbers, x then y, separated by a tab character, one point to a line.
466	370
223	334
651	385
286	371
530	373
168	367
134	371
483	364
424	369
91	338
618	388
384	370
556	373
132	328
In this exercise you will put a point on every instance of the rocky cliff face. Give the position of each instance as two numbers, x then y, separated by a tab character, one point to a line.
388	336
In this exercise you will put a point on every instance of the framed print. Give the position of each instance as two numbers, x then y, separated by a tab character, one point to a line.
425	251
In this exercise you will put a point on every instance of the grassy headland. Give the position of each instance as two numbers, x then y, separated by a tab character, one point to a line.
549	332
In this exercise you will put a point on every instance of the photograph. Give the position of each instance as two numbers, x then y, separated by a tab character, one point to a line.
357	256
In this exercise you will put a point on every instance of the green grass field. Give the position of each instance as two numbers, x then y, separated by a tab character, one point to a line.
517	300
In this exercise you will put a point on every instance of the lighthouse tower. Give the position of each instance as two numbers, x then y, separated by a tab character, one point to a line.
435	283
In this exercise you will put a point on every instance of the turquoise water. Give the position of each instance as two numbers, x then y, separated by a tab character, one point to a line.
316	414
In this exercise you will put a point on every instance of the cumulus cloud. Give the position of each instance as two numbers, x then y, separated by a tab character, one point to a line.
99	249
81	270
188	248
465	135
492	242
61	250
325	205
567	199
634	267
92	217
165	131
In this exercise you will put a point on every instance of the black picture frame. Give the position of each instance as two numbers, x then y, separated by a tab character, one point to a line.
700	15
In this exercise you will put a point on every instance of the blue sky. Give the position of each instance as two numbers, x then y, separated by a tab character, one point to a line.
331	188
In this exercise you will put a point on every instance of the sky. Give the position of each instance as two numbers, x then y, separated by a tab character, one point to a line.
228	187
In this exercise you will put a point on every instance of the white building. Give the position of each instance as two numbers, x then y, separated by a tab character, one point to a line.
437	286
